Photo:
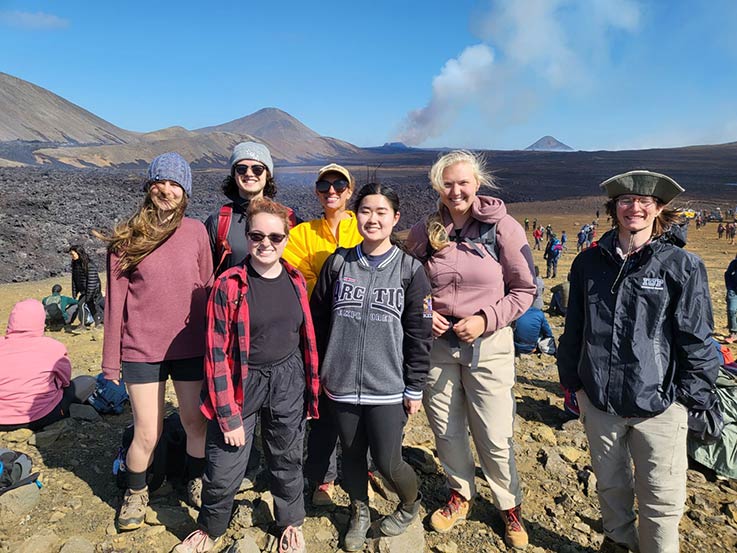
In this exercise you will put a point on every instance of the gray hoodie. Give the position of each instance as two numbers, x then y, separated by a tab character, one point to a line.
373	327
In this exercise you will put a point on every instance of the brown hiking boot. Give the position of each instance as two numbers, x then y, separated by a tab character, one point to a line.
515	534
323	495
133	510
450	514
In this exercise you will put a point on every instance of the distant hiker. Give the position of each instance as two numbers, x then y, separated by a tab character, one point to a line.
597	213
637	351
720	231
564	240
581	240
559	300
538	236
59	309
36	388
548	231
251	176
534	224
159	269
552	253
529	330
261	358
590	236
527	223
310	244
730	282
731	230
373	389
472	358
86	287
540	289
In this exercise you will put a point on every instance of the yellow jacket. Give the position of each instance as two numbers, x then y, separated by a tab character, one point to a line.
310	244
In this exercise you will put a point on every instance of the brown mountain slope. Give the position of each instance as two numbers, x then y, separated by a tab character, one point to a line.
29	112
286	134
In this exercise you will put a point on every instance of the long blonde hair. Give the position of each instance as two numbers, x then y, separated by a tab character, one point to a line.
142	233
436	233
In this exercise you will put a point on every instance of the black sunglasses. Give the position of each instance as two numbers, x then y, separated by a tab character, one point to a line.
258	237
257	170
323	186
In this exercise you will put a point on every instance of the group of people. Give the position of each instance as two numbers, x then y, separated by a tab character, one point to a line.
334	326
262	335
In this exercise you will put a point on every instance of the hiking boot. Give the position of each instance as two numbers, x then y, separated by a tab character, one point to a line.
194	492
323	495
358	526
292	540
133	510
450	514
397	522
197	542
515	534
610	546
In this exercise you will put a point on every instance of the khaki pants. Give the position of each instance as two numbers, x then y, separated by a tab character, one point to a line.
657	448
459	398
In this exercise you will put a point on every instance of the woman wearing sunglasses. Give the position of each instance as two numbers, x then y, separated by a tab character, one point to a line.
310	244
159	267
260	358
251	177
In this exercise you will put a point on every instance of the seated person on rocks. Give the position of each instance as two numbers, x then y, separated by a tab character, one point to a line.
35	373
59	309
529	329
559	301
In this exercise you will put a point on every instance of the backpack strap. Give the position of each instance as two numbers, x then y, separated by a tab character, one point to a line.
486	238
222	246
407	270
337	263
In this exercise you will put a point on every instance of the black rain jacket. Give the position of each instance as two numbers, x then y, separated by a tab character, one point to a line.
637	349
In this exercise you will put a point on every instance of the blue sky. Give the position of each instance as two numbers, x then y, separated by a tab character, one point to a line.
596	74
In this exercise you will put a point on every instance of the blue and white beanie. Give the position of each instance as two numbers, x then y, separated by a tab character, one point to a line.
170	166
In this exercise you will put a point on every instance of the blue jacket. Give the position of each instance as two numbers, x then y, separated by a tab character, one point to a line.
531	326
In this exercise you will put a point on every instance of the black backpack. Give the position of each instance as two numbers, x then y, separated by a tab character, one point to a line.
15	470
486	238
169	456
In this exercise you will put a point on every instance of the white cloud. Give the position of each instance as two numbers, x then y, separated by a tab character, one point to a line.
541	47
37	21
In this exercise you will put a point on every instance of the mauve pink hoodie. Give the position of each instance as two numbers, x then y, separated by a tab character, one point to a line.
464	283
33	368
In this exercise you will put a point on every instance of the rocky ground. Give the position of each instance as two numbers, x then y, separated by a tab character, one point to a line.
75	509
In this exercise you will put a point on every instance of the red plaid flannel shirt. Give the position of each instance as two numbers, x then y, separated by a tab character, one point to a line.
228	322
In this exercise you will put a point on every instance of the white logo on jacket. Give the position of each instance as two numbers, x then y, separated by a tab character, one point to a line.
650	283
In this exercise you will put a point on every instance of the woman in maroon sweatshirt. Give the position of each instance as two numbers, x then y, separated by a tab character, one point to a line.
482	277
158	270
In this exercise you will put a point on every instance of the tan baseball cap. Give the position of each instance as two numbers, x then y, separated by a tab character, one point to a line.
335	168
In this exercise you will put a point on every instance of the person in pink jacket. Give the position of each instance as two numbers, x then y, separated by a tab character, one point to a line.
159	271
35	373
482	277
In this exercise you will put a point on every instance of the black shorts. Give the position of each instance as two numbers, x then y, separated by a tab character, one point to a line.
186	370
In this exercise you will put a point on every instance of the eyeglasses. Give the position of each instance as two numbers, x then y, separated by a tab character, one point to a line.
323	186
257	170
629	201
274	237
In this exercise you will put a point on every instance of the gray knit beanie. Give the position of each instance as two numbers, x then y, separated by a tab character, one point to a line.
254	151
170	166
